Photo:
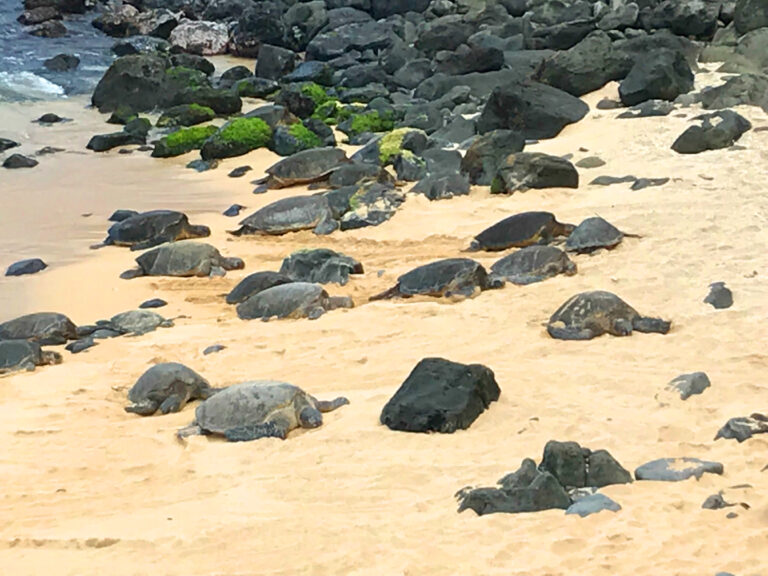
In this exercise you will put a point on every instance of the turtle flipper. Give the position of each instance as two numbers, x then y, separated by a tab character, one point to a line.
565	333
387	294
191	430
621	327
132	273
326	226
248	433
330	405
651	325
173	403
144	408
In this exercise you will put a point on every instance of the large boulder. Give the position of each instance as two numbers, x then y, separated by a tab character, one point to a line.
385	8
200	37
138	82
446	33
487	153
441	396
274	62
336	42
750	15
261	23
577	467
713	132
526	170
663	75
691	18
535	109
749	89
303	21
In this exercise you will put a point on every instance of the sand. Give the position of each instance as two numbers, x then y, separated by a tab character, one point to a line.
88	488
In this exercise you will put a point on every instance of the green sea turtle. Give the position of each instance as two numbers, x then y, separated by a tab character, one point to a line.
182	259
150	229
259	409
45	328
290	215
533	264
137	322
255	283
167	387
24	355
294	300
320	265
591	314
519	231
303	167
449	277
594	233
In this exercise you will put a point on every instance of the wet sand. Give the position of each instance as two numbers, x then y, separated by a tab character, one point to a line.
89	488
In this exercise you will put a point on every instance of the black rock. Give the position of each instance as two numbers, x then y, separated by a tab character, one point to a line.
409	168
104	142
413	73
318	72
536	110
676	469
567	462
19	161
137	81
341	40
256	87
233	210
120	215
487	153
153	303
604	470
322	266
81	345
526	170
62	63
140	45
649	108
203	165
386	8
719	296
261	23
441	396
610	180
641	183
714	131
296	101
592	504
29	266
6	144
274	62
690	384
442	187
662	75
465	60
50	29
223	102
742	429
689	18
750	89
590	162
232	76
239	172
750	15
213	349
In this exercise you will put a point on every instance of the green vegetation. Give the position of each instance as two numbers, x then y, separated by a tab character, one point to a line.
304	135
317	93
237	137
122	115
183	141
391	145
371	121
182	77
186	115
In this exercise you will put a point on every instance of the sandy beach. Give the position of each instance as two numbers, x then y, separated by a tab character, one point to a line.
88	488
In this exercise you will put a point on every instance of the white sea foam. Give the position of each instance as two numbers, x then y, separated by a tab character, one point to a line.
27	86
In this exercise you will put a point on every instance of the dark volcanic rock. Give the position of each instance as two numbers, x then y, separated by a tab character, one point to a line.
386	8
714	131
62	63
50	29
690	18
663	75
719	296
15	161
104	142
536	110
750	15
261	23
441	396
526	170
321	266
742	429
592	504
29	266
6	144
676	469
137	82
577	467
437	187
648	109
689	384
487	154
339	41
751	89
274	62
153	303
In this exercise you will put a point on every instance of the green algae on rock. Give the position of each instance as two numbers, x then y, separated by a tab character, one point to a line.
236	138
185	115
183	141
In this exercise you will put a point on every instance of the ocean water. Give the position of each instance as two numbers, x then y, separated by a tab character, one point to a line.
22	74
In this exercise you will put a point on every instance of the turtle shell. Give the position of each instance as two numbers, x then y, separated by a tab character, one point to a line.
438	278
592	234
519	231
305	166
145	226
533	264
19	354
288	215
292	300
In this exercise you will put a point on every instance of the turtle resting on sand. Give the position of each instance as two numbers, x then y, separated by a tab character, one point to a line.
591	314
259	409
519	231
24	355
167	387
290	215
594	233
449	277
45	328
303	168
533	264
255	283
186	258
293	300
149	229
137	322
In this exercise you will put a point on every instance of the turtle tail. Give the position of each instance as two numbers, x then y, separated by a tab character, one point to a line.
387	294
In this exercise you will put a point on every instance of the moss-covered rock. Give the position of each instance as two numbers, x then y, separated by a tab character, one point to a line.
316	92
183	141
289	140
222	102
236	138
372	121
139	127
186	115
182	78
255	88
332	112
391	145
122	115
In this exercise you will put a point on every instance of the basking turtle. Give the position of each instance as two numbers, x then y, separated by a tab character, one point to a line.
167	387
591	314
45	328
259	409
533	264
290	215
294	300
255	283
452	276
303	167
320	265
24	355
182	259
150	229
519	231
137	322
594	233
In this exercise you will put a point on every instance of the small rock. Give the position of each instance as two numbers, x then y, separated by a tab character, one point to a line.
29	266
19	161
48	150
80	345
590	162
742	429
153	303
50	118
592	505
690	384
716	502
610	180
62	63
6	144
676	469
203	165
239	171
641	183
213	349
719	296
608	104
731	515
233	210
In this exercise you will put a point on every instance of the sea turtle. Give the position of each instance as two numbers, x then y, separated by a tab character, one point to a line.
137	322
45	328
533	264
150	229
452	276
259	409
591	314
303	167
167	387
294	300
519	231
24	355
255	283
592	234
185	258
320	265
290	215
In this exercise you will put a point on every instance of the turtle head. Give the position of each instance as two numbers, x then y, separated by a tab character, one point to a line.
199	231
474	246
310	417
50	357
233	264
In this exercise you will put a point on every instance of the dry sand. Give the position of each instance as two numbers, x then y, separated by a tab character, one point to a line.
89	489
